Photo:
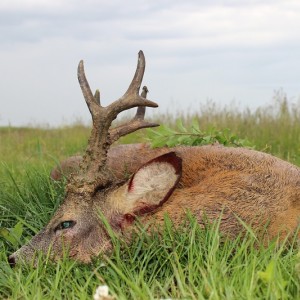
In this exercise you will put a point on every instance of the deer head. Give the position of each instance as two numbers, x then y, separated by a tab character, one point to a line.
76	225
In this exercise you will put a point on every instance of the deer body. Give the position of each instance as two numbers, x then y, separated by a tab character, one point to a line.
234	182
130	181
216	180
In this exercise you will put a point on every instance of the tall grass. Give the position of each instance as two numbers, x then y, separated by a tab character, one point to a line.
274	128
190	263
21	147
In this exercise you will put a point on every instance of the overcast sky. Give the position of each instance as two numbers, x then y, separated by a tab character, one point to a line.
241	50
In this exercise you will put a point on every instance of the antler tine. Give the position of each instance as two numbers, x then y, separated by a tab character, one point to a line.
136	123
132	98
92	101
135	84
141	110
97	96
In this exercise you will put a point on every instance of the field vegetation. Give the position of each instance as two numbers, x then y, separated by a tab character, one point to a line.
190	263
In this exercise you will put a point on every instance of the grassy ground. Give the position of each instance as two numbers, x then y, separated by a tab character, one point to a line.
188	264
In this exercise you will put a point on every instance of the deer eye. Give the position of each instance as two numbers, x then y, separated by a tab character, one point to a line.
65	225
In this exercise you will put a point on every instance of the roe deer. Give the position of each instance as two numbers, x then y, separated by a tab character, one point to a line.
215	181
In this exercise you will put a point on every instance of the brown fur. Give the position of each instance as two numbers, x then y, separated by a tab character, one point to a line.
216	181
255	186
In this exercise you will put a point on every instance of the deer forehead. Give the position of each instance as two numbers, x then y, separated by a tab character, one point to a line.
69	211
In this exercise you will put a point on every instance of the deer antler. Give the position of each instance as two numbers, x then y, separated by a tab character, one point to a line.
136	123
94	172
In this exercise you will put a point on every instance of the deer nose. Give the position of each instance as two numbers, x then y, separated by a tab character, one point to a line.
12	261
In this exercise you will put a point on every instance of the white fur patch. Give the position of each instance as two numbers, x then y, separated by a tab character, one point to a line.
151	183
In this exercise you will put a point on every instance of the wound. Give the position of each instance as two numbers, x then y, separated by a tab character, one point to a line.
126	221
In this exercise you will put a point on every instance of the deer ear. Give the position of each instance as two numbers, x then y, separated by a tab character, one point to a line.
153	184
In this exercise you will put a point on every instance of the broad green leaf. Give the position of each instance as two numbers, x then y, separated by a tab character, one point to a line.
180	126
268	274
195	125
17	231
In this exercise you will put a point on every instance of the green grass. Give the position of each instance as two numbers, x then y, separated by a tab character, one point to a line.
190	263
